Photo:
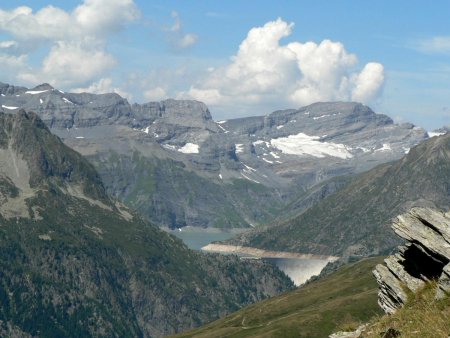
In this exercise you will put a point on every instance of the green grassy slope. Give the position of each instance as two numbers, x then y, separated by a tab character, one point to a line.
338	301
422	316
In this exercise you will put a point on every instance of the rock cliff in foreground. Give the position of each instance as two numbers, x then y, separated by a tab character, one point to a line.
425	257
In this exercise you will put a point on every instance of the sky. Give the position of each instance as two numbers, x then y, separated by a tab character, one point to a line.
241	58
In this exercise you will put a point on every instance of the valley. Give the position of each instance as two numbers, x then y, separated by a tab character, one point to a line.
258	194
224	169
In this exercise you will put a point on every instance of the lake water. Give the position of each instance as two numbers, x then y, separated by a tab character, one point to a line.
299	270
197	239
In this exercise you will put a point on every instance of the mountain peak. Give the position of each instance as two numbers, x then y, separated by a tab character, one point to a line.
43	86
50	164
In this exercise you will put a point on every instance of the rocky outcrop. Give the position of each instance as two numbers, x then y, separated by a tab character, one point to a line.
425	257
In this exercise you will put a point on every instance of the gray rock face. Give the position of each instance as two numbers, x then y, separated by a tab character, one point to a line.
425	257
279	154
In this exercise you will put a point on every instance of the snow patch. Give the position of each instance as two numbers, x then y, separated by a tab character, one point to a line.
68	101
364	149
250	169
239	148
274	155
9	107
406	150
326	115
248	178
434	133
41	101
221	122
302	144
266	160
220	176
146	129
189	148
386	147
35	92
320	117
225	131
279	127
79	137
3	95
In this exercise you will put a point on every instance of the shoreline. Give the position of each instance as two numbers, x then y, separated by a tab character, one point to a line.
260	253
205	230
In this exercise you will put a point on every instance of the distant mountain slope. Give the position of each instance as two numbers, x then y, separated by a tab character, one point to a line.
74	263
355	220
338	301
257	165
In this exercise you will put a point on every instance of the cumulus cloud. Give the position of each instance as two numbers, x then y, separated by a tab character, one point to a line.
76	40
267	73
155	94
368	83
11	66
176	35
70	63
103	86
91	18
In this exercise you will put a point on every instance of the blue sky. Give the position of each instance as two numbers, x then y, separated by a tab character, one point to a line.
239	57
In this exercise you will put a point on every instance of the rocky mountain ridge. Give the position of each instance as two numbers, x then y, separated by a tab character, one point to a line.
257	165
355	219
77	263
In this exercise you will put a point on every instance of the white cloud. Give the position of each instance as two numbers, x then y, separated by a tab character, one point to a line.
105	16
102	86
176	27
155	94
368	83
77	39
187	40
177	37
437	44
269	74
91	18
68	64
12	65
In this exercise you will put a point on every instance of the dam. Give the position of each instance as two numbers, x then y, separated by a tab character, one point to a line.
299	267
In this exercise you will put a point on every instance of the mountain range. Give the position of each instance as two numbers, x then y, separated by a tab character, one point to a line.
178	167
355	219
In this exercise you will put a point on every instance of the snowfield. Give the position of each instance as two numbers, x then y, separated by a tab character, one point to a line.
302	144
189	148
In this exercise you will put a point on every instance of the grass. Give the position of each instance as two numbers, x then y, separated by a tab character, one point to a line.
422	316
342	300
